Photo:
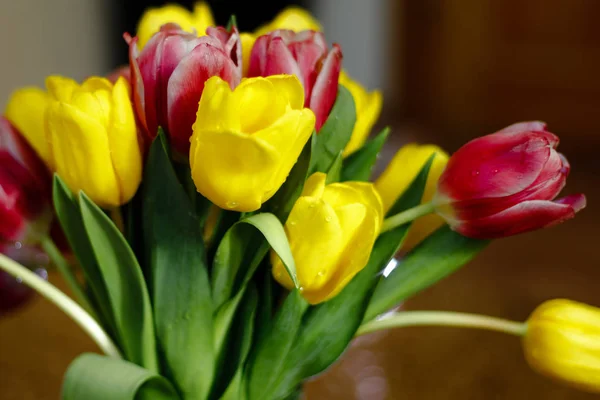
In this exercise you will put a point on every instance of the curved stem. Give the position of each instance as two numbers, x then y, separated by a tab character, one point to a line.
64	302
406	216
444	318
67	273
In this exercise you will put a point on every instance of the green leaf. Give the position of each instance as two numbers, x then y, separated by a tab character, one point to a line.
69	215
241	251
329	327
335	171
127	292
269	356
358	166
239	340
183	309
436	257
335	132
96	377
282	202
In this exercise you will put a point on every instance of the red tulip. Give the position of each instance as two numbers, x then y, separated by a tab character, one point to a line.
504	183
305	55
25	193
169	73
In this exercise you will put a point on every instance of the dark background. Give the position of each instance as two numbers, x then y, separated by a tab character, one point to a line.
452	70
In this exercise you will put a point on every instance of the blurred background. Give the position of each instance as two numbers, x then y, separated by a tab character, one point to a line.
450	71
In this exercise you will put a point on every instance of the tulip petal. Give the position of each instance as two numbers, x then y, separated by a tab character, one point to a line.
137	84
315	185
247	40
496	165
314	217
280	60
123	142
25	110
186	85
525	126
82	161
325	89
258	56
218	160
202	17
523	217
154	18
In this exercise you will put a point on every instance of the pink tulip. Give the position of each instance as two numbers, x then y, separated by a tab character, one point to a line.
168	77
304	54
25	193
504	183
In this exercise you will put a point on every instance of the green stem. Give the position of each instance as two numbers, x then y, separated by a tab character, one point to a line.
64	302
444	318
406	216
67	273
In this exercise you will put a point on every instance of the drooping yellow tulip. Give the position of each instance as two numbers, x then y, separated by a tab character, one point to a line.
331	230
86	134
26	110
153	18
246	141
293	18
368	107
563	342
399	174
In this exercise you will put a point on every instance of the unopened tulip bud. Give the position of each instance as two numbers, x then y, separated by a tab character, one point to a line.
331	230
169	74
504	184
305	55
563	342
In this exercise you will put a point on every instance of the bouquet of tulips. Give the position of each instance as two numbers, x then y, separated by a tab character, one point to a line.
224	238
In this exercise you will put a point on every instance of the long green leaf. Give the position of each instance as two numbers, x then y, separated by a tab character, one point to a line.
329	327
69	215
238	340
335	170
358	166
127	292
183	310
241	251
436	257
96	377
335	133
269	356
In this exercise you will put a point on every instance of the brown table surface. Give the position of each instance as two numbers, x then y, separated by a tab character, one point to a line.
508	279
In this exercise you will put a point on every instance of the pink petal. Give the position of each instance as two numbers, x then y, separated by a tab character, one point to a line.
137	84
258	56
325	89
122	71
523	217
496	165
186	86
231	43
525	126
309	55
279	60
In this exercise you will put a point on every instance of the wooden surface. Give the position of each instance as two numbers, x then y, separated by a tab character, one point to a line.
508	279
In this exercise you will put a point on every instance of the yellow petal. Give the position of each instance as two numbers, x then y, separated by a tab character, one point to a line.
61	88
232	169
315	185
202	17
247	40
290	88
294	18
154	18
123	142
215	110
26	111
316	259
82	155
368	107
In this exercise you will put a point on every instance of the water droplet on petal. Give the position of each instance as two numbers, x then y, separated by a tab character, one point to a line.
312	206
496	171
328	219
18	245
231	204
475	172
321	273
292	223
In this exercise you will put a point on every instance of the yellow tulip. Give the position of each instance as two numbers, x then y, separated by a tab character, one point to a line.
400	173
563	342
92	137
153	18
25	110
368	107
247	40
293	18
331	230
245	142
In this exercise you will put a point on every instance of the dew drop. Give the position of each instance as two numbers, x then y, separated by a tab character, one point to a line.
301	289
496	171
311	206
475	172
292	223
231	204
328	219
321	273
18	245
